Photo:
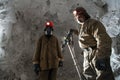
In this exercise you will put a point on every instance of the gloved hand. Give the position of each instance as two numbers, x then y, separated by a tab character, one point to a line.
101	64
36	68
60	63
71	30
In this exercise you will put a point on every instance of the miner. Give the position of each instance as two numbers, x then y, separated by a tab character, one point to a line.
96	45
47	57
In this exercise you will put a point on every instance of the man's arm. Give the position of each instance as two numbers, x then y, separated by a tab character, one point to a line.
60	57
36	56
59	51
103	40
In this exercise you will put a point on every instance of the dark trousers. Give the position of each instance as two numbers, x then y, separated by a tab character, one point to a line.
50	74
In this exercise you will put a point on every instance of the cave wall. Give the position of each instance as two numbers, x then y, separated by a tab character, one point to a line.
22	22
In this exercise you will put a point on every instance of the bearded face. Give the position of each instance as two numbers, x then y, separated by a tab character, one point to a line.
79	17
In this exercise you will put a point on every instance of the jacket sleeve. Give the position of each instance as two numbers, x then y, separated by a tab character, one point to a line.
103	40
59	51
36	56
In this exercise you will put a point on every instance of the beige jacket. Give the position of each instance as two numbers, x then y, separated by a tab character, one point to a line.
93	33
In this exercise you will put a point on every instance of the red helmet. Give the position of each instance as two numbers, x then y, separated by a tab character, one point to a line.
49	24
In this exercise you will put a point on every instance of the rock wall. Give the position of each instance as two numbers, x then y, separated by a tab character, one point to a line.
22	22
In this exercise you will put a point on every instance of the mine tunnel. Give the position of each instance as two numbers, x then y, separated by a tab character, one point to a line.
23	21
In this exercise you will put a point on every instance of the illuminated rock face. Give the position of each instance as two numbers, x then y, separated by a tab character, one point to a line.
22	21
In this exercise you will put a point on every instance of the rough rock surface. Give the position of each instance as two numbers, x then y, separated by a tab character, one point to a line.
22	22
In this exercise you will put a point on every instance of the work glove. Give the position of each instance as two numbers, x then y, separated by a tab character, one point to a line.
60	63
36	68
71	30
101	64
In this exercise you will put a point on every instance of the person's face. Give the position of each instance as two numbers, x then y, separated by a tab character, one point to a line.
48	31
80	18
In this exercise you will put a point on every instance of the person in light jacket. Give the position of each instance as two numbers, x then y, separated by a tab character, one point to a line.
96	45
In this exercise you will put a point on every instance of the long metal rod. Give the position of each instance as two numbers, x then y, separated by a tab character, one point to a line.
73	57
72	52
69	43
